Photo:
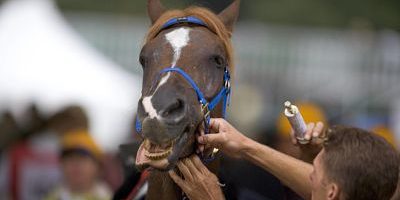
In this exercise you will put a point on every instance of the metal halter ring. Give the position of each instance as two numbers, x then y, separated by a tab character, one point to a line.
205	110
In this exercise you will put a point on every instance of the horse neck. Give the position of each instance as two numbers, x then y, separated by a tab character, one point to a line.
161	186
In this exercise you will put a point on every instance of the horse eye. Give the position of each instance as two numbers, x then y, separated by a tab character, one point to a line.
219	60
142	61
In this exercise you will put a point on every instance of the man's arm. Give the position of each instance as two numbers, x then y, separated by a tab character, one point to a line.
292	172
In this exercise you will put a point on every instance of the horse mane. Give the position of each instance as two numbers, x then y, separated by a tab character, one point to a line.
213	22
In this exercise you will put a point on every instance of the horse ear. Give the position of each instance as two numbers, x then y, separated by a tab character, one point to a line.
230	14
154	9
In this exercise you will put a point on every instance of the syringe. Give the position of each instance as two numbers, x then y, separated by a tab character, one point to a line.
292	113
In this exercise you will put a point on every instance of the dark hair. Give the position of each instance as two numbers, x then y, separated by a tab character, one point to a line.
363	164
66	153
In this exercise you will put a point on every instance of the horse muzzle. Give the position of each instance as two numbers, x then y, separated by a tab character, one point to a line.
163	154
167	137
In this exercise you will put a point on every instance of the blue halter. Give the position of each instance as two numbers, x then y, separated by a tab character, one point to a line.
179	20
206	106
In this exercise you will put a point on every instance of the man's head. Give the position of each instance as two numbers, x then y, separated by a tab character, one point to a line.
355	164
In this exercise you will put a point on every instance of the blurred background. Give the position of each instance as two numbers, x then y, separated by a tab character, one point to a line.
338	60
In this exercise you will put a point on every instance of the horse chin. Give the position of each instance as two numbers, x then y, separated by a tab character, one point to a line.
164	157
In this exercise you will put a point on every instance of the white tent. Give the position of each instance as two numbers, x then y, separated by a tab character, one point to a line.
43	60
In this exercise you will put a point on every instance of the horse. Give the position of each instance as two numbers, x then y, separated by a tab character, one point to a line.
187	60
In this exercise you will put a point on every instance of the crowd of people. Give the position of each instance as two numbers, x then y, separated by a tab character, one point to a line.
56	157
52	157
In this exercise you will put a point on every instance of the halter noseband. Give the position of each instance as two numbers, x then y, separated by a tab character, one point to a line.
206	106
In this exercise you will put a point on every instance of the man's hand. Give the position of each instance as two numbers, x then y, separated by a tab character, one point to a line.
198	183
315	135
224	137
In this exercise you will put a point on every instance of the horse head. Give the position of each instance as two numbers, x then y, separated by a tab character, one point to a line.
187	54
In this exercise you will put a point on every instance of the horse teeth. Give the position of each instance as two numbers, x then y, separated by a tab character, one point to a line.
158	156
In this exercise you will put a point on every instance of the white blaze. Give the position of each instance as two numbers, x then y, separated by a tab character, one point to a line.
148	107
177	38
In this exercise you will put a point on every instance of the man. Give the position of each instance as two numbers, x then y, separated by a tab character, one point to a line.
353	164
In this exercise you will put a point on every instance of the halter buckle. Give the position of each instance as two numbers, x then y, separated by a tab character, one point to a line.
227	84
182	19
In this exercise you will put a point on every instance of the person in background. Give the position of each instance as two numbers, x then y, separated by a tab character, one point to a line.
28	167
80	162
9	130
386	133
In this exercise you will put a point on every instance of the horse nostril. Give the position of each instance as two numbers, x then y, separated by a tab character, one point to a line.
174	110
